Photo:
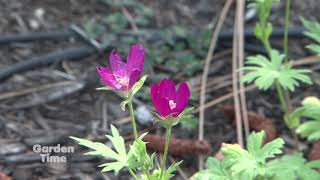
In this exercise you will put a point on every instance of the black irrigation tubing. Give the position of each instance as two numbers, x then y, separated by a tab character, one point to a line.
37	36
294	32
77	53
72	53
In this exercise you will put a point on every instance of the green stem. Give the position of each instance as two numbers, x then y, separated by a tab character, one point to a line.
267	45
286	29
148	175
165	152
282	98
132	174
133	121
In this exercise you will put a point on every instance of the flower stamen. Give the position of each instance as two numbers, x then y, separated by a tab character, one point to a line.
172	104
124	81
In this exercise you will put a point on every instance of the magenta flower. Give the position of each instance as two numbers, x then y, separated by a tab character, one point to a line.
122	76
167	100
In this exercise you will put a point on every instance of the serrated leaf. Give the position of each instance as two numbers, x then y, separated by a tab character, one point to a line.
272	148
239	161
138	85
138	155
314	164
99	149
169	173
118	142
113	166
264	72
262	153
215	171
241	164
292	167
313	33
254	142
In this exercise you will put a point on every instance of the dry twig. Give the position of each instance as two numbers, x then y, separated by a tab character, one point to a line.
206	69
235	81
240	27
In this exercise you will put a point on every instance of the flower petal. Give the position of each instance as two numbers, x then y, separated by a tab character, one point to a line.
135	58
167	90
154	92
108	78
161	104
183	96
118	67
134	77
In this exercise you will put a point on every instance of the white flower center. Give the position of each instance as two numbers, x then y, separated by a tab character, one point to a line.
172	104
124	81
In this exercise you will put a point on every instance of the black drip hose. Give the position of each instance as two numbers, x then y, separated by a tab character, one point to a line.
53	57
85	51
293	32
37	36
296	32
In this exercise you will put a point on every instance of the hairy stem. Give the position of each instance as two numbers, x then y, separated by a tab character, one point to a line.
286	29
282	98
132	174
165	152
133	121
267	45
286	48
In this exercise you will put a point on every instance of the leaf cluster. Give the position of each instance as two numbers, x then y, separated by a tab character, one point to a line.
136	159
310	110
253	162
313	32
264	72
263	28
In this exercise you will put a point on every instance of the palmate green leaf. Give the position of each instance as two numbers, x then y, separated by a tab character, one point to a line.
262	153
240	162
311	110
215	171
311	107
168	174
138	157
310	130
313	164
313	33
251	163
264	72
293	167
99	149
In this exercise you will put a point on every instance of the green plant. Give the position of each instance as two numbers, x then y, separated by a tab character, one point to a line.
125	78
253	163
264	72
132	160
310	110
313	32
275	69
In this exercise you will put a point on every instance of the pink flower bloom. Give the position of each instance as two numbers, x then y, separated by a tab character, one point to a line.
167	100
122	76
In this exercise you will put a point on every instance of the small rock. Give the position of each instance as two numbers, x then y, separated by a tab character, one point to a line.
13	148
144	115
